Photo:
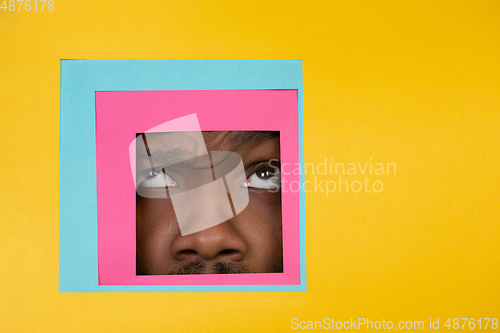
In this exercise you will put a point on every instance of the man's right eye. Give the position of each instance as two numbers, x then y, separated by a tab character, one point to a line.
265	178
158	179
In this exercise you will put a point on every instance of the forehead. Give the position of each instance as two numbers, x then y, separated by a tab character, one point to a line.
209	140
234	140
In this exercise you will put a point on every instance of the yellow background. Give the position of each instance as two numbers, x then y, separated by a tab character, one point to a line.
416	83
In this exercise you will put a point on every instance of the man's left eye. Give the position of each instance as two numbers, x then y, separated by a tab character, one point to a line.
267	178
158	179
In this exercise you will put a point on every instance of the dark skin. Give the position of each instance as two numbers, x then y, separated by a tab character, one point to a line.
250	242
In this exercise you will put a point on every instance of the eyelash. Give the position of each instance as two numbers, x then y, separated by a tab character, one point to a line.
272	172
153	179
252	180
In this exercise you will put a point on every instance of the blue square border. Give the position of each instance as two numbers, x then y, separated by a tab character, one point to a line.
80	79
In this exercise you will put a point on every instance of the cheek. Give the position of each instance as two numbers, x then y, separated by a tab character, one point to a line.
156	226
263	231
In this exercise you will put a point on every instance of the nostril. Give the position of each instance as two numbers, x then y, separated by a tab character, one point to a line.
228	252
231	254
221	240
186	253
190	254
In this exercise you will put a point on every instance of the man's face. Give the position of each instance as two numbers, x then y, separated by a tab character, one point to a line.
249	242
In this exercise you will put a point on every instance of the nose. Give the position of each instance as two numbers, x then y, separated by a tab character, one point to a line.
221	241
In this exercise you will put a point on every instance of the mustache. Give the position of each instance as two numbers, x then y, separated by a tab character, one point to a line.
198	267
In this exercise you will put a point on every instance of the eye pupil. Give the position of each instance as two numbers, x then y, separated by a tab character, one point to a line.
265	173
152	174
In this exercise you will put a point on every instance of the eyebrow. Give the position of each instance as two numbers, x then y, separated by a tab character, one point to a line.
160	156
242	138
165	155
236	139
170	155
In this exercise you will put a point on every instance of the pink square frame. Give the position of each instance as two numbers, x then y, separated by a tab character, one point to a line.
122	114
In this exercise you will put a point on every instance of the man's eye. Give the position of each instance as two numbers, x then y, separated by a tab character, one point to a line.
267	178
158	179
